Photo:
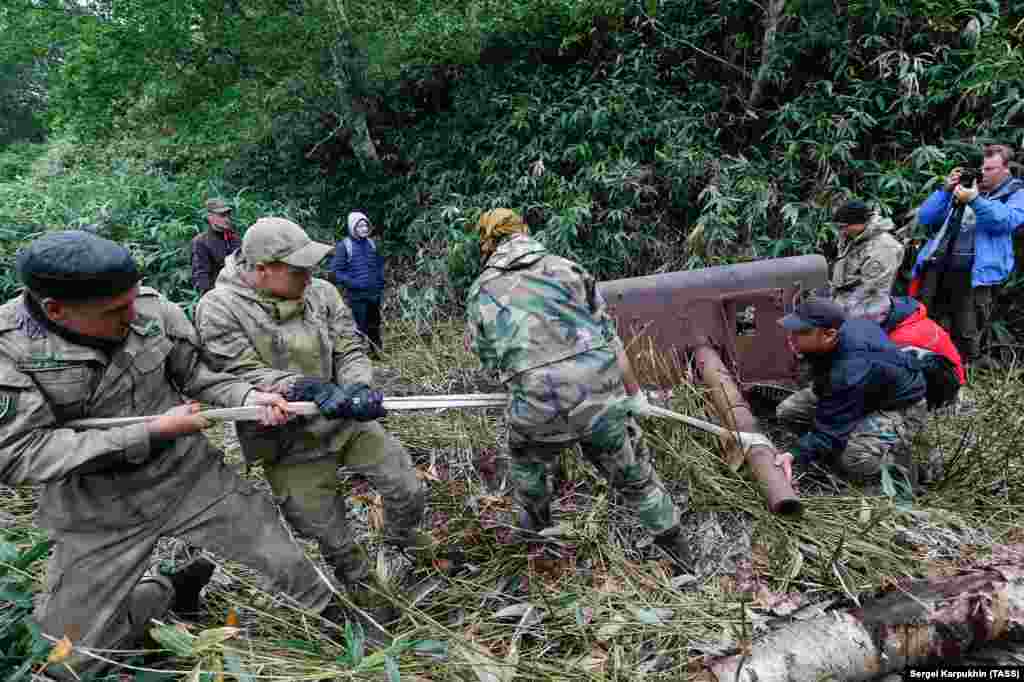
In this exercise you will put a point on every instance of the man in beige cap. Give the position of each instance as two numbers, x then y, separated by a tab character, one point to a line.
210	248
269	321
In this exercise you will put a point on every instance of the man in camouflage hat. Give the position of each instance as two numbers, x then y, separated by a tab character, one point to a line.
210	248
868	261
539	323
85	340
270	322
867	401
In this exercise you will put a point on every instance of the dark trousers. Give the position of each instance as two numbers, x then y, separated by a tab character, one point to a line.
963	310
366	311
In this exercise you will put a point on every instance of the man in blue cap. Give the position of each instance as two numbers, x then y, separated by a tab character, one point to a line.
867	400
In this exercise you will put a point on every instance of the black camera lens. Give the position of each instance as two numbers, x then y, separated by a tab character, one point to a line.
968	177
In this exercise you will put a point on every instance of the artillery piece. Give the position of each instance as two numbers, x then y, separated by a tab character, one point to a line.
722	322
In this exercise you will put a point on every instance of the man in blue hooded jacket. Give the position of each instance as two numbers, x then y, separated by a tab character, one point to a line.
867	399
966	260
358	266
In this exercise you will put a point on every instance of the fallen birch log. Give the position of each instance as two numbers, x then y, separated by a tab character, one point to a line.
253	413
932	620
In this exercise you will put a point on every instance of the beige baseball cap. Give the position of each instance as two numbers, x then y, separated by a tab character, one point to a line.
269	240
217	206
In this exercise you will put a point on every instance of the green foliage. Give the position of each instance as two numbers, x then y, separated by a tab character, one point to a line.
154	214
22	647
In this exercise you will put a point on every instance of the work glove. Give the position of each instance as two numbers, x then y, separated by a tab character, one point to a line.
362	403
966	195
636	404
351	401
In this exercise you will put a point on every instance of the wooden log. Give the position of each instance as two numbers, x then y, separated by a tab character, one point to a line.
930	620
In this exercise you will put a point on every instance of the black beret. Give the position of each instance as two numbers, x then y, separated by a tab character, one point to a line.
73	265
854	212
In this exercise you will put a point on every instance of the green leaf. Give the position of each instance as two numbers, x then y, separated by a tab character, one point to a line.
355	642
391	668
233	664
175	640
431	647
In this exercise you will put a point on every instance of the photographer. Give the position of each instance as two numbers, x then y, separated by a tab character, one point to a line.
971	254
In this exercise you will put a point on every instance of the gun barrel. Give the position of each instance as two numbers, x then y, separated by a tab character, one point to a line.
735	413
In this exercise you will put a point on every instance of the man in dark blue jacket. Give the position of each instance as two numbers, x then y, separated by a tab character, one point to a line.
358	266
966	260
867	399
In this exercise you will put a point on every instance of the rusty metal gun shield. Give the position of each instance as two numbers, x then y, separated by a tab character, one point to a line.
733	308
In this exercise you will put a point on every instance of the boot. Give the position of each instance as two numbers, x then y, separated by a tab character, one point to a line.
677	547
351	566
359	619
188	582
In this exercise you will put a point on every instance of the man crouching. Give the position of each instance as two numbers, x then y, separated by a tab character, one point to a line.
867	399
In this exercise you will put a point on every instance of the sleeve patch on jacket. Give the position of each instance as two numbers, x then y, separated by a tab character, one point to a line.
8	406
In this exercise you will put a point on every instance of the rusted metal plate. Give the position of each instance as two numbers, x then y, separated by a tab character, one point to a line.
733	308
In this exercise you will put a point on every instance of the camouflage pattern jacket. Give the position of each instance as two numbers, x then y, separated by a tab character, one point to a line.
102	479
865	269
269	341
530	308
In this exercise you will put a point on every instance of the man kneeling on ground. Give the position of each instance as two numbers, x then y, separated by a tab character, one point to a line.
867	399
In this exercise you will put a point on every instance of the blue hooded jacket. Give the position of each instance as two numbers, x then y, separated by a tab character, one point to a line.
997	215
865	373
362	273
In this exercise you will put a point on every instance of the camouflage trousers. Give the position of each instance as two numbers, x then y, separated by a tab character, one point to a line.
883	437
99	591
306	489
581	401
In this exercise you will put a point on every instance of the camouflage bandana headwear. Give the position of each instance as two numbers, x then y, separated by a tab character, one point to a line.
496	224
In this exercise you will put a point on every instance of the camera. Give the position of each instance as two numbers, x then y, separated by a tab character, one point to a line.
968	176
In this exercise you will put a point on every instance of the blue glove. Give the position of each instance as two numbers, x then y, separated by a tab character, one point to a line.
351	401
362	403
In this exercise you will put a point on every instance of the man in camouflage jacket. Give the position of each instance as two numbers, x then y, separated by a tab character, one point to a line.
539	323
269	322
868	261
84	340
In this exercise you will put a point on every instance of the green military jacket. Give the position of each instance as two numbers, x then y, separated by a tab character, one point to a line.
865	269
530	308
270	341
97	479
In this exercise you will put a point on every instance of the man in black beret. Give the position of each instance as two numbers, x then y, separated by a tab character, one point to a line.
867	399
867	263
85	340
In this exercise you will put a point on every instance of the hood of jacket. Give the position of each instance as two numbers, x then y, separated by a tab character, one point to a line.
904	309
876	225
518	252
354	218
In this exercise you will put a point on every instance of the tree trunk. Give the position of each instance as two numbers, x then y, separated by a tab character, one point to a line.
772	22
937	619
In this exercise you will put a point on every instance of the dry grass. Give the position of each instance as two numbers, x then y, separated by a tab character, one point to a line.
597	602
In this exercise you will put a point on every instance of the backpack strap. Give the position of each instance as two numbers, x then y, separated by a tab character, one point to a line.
347	241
